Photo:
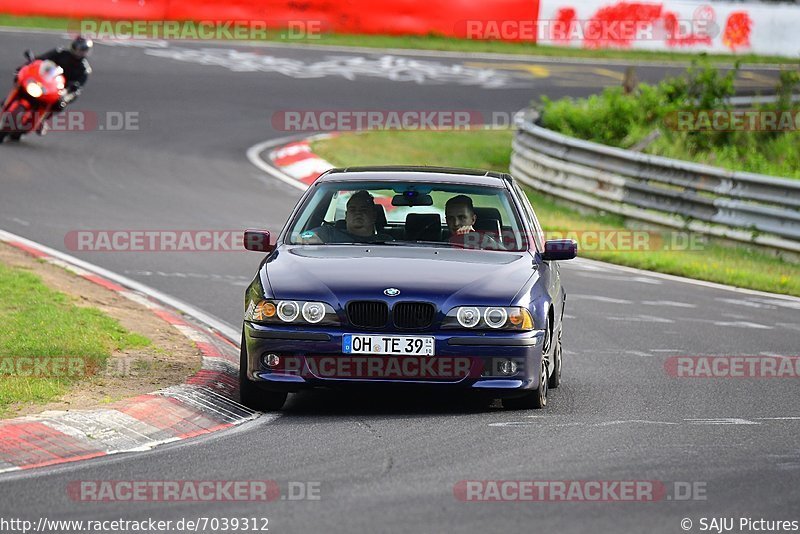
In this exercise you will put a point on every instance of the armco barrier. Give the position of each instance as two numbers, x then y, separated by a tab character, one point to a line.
741	206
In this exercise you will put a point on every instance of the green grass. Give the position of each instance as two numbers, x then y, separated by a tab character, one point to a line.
490	149
437	42
40	323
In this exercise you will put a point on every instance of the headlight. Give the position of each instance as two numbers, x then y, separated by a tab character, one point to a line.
492	317
291	312
495	317
34	89
288	310
313	312
468	317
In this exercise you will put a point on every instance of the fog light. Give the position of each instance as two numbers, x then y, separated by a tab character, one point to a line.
507	367
271	360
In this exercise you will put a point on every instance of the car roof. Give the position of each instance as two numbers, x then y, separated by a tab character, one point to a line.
415	174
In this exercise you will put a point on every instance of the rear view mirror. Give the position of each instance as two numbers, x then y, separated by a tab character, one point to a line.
29	55
560	249
258	241
412	198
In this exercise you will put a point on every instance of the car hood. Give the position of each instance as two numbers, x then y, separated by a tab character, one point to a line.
337	274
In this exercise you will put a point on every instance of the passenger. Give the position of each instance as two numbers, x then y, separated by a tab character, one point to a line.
460	215
360	224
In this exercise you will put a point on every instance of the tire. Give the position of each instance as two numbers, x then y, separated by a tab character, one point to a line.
533	399
251	395
555	378
536	399
15	135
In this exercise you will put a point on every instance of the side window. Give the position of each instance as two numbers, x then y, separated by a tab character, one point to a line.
526	205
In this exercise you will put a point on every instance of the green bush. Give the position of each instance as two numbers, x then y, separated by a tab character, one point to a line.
623	120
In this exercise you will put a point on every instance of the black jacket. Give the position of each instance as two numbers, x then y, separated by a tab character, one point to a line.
76	69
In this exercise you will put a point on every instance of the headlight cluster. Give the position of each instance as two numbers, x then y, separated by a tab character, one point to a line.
290	312
34	89
492	317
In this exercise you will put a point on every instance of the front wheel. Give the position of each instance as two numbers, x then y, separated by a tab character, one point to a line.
251	395
555	377
12	124
533	399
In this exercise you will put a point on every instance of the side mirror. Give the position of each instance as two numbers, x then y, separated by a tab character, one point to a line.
560	249
29	55
258	241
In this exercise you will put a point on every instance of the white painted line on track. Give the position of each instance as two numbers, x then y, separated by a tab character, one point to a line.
721	421
669	303
556	421
598	298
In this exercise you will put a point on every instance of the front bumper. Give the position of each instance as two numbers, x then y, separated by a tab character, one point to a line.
471	361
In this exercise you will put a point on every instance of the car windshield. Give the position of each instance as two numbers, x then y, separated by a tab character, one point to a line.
409	214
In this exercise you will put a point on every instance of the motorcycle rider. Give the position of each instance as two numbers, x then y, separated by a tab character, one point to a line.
76	71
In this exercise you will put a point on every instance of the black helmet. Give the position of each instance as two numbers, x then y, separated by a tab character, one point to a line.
81	46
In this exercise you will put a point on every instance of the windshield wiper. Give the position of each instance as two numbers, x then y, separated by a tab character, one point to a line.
427	243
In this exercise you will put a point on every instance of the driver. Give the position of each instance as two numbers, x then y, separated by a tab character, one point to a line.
360	224
76	71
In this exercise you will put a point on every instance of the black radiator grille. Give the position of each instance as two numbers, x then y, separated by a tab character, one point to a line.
413	315
368	314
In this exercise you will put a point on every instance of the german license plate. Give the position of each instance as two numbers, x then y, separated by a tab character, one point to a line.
393	345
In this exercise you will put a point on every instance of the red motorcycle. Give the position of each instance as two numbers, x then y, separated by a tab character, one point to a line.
38	87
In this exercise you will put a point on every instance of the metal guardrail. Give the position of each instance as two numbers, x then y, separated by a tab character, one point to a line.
742	206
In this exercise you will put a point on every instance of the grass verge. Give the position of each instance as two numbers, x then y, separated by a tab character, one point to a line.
448	44
490	149
47	343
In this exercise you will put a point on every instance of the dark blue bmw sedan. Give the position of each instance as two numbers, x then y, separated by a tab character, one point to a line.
406	276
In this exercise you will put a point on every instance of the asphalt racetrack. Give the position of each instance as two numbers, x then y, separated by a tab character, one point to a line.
391	464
